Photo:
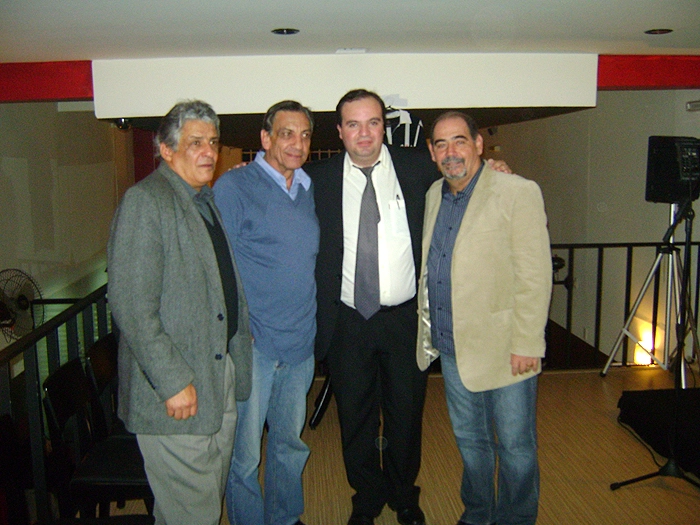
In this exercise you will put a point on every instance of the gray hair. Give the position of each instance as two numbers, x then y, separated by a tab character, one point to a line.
171	125
285	105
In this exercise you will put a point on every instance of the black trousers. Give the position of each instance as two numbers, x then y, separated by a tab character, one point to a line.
373	370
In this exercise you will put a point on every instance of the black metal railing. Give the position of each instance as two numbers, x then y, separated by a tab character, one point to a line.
572	253
62	338
68	334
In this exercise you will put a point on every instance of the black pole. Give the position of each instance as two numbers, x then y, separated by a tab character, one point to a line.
671	468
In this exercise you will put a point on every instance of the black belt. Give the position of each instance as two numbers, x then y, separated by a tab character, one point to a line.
397	306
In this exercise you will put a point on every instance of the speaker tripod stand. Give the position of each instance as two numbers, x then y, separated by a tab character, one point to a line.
684	320
673	295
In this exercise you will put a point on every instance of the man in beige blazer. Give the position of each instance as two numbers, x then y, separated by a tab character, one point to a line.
483	300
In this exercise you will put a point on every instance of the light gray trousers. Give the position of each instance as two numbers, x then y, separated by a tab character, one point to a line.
187	473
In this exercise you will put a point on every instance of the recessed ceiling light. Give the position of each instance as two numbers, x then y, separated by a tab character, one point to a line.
350	50
658	31
285	31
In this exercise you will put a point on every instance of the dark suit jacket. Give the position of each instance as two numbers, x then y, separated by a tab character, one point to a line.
415	172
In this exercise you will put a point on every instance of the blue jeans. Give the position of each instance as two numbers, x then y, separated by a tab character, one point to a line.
478	418
278	396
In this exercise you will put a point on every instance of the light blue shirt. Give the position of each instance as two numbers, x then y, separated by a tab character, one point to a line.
300	176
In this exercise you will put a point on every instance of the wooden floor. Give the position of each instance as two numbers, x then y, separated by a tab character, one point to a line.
582	450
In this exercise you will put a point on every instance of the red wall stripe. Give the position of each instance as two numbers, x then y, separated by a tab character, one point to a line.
43	81
72	80
648	72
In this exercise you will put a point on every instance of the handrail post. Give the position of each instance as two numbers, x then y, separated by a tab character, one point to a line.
569	307
599	298
5	398
88	325
36	433
628	298
102	317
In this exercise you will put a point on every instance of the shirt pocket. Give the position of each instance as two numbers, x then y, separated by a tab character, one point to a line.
396	220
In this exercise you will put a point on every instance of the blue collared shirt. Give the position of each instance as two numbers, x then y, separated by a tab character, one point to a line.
447	224
300	176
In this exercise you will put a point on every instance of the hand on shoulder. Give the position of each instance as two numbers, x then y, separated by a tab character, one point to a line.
499	165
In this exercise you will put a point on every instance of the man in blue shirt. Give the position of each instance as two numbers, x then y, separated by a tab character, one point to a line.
269	215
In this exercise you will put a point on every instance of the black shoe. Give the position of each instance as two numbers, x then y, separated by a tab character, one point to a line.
410	516
299	522
360	519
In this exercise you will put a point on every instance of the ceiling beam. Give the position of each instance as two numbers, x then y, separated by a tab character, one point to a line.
242	84
72	80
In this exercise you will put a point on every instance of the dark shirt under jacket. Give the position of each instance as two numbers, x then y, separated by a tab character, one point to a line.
449	219
203	200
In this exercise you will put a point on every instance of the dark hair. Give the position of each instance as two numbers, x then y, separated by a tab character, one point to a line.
468	120
171	125
352	96
285	105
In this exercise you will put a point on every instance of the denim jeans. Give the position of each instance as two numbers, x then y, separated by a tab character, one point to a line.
501	423
278	396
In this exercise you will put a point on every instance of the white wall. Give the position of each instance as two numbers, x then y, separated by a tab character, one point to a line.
591	166
61	174
58	190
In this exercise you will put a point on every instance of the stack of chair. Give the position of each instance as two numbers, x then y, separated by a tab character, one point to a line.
103	461
101	369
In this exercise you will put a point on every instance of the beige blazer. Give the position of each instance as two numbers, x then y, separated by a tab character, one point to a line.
501	280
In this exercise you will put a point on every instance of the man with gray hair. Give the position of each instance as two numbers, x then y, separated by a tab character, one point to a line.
185	343
269	215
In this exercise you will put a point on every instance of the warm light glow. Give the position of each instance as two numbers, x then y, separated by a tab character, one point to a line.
641	357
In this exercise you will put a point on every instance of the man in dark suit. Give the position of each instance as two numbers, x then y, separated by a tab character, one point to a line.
370	355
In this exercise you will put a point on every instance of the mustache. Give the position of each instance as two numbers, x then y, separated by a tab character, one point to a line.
451	160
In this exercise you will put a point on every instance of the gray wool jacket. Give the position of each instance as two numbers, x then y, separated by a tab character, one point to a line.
166	297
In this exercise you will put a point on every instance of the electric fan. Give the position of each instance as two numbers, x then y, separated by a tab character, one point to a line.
19	313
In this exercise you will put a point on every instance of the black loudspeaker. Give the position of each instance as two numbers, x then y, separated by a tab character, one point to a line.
673	169
651	414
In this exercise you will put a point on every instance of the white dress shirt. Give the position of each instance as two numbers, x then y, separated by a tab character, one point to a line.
397	281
